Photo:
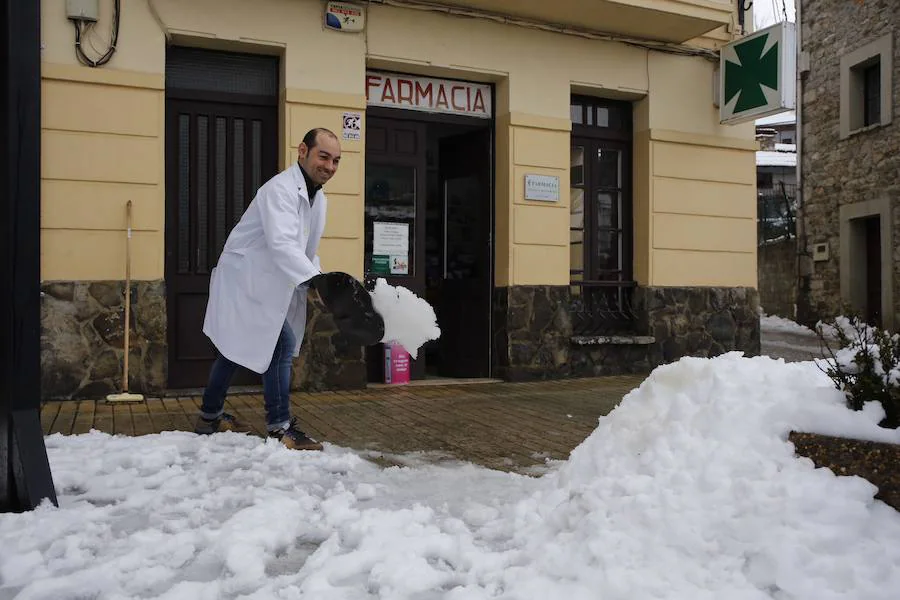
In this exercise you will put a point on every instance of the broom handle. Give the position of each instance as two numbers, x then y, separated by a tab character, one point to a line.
127	294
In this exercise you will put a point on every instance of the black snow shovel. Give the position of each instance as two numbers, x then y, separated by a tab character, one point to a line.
350	304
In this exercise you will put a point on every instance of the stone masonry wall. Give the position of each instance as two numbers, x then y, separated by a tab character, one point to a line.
777	276
533	331
866	165
699	321
82	338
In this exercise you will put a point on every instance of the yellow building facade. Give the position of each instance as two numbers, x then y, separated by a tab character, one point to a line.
554	179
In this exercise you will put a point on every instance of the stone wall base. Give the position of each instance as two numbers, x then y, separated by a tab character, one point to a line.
533	331
611	356
532	328
82	338
698	321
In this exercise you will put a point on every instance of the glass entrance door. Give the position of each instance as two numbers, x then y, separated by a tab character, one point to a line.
394	216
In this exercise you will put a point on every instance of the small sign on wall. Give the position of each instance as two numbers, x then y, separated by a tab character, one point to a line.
352	126
542	187
343	16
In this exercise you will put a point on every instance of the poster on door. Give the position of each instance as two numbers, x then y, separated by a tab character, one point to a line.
390	248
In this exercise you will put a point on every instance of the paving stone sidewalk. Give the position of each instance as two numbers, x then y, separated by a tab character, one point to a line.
505	426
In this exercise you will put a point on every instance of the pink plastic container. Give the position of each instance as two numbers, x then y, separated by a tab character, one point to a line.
396	364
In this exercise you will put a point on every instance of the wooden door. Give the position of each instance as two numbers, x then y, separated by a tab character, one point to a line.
873	271
217	155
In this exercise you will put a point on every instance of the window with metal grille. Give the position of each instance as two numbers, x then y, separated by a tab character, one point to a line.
222	72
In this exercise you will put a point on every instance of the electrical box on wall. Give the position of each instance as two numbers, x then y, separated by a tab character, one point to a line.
820	252
83	10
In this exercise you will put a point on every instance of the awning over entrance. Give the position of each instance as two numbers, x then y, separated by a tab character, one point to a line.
663	20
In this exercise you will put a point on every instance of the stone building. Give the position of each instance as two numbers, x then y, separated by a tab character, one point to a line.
850	164
461	124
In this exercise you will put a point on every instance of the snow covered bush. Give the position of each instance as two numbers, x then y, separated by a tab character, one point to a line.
866	365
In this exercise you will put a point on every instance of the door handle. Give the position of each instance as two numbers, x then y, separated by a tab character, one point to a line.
444	236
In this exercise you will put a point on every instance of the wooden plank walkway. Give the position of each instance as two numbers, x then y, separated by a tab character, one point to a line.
507	426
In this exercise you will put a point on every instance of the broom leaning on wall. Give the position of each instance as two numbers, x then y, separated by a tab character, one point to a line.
125	395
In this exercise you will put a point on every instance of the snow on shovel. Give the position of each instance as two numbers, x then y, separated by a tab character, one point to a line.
388	314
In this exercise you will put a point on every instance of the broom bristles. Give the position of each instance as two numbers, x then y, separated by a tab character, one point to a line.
125	397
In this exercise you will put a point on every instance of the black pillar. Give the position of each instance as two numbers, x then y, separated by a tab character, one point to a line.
25	478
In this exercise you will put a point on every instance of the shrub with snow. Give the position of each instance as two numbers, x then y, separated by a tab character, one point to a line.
866	365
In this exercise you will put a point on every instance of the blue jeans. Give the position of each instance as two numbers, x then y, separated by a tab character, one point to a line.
276	384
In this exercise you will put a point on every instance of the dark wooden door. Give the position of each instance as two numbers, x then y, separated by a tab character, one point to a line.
873	271
217	155
466	286
395	209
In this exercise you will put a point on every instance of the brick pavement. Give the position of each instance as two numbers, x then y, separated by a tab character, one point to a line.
506	426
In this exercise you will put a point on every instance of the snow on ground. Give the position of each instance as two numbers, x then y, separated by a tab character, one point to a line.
783	338
688	490
774	323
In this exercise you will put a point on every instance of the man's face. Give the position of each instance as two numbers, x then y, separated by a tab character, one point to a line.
321	161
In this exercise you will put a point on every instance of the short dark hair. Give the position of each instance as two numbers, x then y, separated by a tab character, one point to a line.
312	136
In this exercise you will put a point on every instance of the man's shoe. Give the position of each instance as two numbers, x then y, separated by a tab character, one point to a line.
223	422
295	439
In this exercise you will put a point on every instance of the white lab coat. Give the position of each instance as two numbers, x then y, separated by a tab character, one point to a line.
260	279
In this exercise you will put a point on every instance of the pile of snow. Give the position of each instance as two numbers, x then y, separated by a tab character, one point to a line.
774	323
689	489
408	320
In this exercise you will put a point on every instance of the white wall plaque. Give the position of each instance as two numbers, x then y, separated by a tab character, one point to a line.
542	187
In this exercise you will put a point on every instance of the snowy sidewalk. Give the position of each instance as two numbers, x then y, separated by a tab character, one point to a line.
506	426
782	338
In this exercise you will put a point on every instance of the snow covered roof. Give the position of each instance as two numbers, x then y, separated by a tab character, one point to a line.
785	118
768	158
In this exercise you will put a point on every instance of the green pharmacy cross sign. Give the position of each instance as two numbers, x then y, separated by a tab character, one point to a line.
757	75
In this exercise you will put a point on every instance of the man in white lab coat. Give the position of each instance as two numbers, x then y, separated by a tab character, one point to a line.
256	313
